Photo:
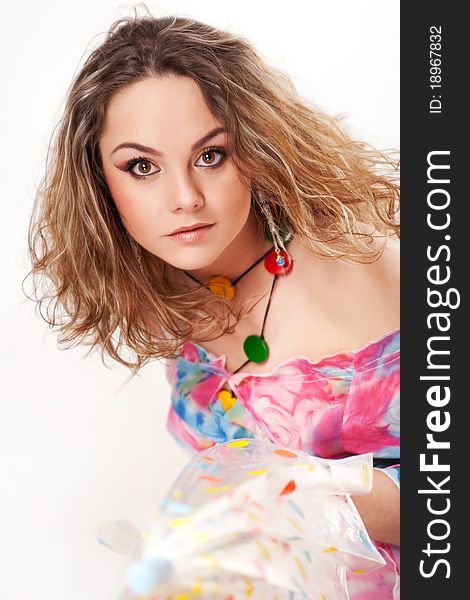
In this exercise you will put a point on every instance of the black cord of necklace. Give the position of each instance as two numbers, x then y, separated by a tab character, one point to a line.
275	278
268	305
245	272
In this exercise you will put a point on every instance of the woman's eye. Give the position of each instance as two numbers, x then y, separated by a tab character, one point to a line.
141	168
212	157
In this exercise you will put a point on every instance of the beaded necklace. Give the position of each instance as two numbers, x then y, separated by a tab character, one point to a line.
277	262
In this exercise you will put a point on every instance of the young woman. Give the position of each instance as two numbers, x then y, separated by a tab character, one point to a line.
194	209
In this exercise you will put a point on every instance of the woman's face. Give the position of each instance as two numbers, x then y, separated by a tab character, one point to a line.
166	164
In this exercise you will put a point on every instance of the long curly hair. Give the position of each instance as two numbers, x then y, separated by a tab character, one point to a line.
88	279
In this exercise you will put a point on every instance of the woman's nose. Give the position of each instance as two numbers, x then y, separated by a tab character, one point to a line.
185	194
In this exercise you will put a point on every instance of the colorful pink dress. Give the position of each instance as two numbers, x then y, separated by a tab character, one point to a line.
344	404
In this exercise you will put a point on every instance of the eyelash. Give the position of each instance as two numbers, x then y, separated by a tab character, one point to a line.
134	161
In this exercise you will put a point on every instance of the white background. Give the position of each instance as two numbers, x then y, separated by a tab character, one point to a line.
77	445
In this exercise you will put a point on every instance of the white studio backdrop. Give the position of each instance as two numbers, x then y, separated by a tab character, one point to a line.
78	445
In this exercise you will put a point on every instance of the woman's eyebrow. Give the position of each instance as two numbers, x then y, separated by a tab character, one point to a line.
205	138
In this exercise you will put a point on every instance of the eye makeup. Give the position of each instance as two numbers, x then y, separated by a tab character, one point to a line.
143	159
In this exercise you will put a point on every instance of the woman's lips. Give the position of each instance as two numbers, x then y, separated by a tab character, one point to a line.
191	235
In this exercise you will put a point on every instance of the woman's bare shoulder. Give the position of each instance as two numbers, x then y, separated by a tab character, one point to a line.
339	276
388	261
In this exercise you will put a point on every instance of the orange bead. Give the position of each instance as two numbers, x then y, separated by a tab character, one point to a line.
222	286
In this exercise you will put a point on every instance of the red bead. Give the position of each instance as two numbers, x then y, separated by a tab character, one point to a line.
274	267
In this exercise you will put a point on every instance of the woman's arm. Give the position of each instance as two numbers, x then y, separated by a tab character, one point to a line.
380	509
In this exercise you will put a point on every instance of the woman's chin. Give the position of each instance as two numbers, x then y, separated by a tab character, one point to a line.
192	260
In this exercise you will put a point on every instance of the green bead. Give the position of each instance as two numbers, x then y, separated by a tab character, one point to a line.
256	348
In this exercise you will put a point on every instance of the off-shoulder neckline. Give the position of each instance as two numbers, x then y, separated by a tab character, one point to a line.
243	374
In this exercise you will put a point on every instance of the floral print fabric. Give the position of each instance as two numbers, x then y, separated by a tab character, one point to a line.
344	404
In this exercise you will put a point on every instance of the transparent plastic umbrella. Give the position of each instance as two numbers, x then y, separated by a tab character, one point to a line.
250	519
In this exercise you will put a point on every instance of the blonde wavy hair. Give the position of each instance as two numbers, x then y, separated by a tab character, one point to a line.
88	279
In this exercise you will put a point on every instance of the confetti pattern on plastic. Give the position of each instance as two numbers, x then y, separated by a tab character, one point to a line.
272	523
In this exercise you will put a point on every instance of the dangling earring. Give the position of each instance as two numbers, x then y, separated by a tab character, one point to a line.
283	259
